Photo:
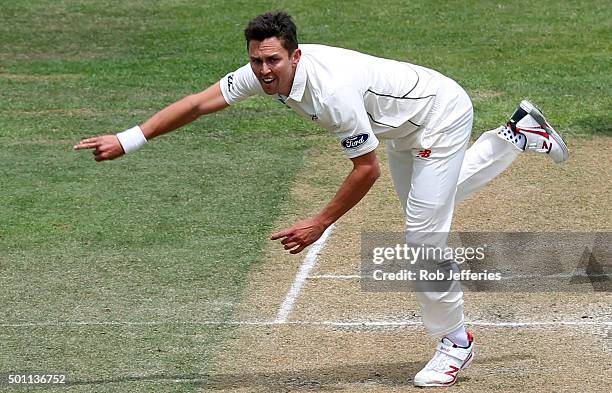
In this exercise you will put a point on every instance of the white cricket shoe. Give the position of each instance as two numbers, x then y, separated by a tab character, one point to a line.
529	131
448	359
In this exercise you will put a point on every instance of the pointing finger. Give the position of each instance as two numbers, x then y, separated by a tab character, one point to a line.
86	144
278	235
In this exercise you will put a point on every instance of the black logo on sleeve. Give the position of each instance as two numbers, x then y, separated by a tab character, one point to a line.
353	142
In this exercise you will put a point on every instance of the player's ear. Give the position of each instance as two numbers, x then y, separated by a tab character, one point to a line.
295	58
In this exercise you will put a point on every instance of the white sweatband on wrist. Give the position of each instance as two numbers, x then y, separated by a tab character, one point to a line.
132	139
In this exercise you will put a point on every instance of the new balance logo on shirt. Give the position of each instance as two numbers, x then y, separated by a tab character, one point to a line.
424	153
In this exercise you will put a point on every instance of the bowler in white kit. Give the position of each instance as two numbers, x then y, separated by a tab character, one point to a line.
423	117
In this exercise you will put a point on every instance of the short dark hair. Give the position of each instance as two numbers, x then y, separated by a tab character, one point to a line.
273	24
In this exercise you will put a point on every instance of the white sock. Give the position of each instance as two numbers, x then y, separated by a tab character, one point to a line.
459	337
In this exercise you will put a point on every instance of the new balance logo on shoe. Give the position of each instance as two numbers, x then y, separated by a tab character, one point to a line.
529	131
453	374
446	363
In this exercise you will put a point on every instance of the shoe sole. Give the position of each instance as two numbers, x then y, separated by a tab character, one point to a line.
539	117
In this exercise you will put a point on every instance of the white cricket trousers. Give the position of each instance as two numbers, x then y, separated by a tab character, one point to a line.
429	187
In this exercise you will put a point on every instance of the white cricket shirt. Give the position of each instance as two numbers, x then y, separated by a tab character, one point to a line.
360	98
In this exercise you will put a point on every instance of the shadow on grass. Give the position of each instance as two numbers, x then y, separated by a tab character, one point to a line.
325	379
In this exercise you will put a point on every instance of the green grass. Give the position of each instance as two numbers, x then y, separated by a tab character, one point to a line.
170	233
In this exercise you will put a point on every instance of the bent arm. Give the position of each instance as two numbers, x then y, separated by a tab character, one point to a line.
356	185
184	111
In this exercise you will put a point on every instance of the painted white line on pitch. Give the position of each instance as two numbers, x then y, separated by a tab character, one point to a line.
475	323
128	323
510	324
540	323
309	263
577	273
335	277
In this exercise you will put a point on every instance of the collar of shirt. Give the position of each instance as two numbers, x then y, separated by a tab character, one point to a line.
299	82
282	99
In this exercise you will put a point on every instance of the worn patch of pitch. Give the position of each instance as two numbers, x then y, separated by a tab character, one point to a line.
532	195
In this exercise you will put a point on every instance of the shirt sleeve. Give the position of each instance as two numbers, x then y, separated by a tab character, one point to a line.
240	85
348	119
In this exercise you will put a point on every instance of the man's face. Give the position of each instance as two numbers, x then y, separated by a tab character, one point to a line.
273	65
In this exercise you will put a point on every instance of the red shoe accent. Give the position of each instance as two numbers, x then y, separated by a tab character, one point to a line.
541	133
454	370
452	373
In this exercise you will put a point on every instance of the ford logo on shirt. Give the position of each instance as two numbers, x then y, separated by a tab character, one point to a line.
353	142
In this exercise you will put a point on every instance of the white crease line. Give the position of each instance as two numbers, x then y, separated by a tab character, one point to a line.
510	277
557	275
309	263
475	323
511	324
128	323
336	277
540	323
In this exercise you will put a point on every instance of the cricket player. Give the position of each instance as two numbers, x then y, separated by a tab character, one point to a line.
425	119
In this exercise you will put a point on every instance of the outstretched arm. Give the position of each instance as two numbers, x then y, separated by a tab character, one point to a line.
359	181
184	111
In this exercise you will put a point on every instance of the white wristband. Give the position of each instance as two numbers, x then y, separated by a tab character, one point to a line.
132	139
